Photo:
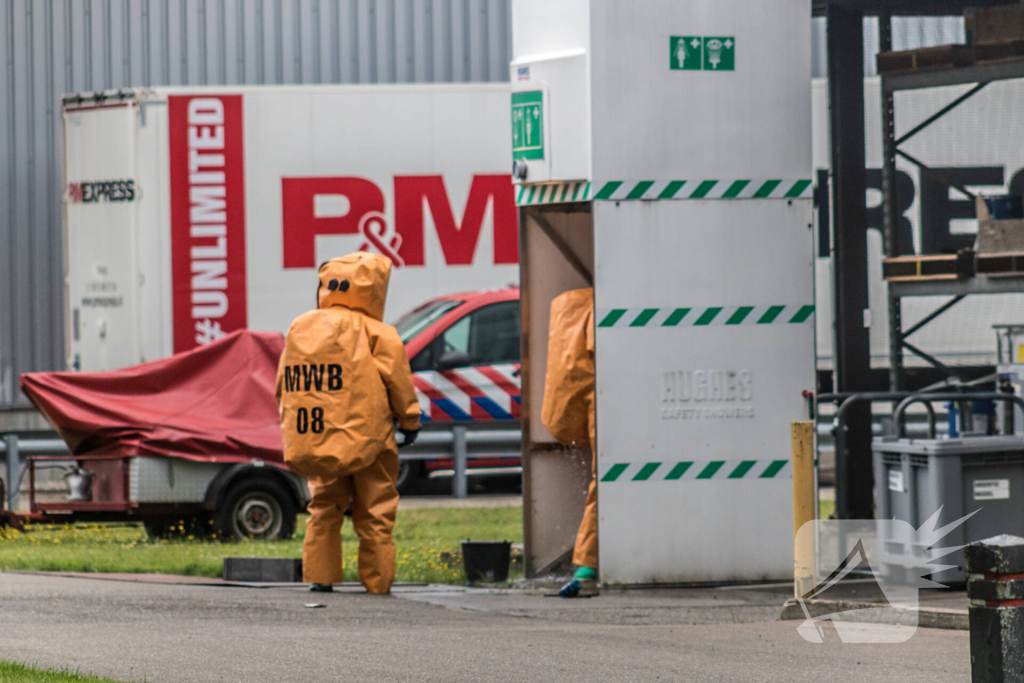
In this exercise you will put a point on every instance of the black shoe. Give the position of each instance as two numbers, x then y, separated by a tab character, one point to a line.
571	589
321	588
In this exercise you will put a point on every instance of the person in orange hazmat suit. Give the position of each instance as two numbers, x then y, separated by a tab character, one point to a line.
342	383
568	410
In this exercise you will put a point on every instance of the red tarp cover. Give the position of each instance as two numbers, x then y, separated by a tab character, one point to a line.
214	403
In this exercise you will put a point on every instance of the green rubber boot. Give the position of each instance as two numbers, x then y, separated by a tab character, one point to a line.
586	574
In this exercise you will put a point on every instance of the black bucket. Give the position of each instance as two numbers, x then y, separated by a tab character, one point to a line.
1005	206
486	561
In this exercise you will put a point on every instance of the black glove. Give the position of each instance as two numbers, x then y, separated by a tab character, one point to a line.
410	437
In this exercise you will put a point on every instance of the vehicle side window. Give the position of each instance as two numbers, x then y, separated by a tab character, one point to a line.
422	361
489	335
494	335
456	337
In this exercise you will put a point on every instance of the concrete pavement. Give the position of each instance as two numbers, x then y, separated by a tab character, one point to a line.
181	633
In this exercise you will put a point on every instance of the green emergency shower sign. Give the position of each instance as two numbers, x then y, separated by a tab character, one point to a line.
702	53
528	125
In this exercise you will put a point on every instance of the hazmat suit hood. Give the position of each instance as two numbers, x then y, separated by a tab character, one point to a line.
344	378
358	281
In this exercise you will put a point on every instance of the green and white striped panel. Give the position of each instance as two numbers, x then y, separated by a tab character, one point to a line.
694	470
705	316
553	193
622	190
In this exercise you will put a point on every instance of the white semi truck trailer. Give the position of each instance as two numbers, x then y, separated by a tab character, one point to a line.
191	213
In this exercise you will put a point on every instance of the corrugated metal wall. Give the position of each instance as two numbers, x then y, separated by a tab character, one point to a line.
52	47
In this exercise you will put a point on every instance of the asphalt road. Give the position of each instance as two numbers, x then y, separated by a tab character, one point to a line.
181	633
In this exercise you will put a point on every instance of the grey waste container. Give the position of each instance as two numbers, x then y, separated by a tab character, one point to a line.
915	477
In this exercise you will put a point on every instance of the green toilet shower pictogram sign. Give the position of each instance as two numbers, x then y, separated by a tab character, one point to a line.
528	125
702	53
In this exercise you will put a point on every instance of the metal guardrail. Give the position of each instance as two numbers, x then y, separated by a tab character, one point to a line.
455	442
13	446
916	424
34	446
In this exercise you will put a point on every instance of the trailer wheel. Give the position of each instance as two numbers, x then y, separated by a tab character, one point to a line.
408	475
257	508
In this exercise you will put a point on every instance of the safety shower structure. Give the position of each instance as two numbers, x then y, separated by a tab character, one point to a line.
662	153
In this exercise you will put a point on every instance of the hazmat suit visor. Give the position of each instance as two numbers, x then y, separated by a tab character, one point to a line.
358	281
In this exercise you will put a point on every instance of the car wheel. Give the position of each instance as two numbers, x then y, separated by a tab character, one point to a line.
408	475
255	508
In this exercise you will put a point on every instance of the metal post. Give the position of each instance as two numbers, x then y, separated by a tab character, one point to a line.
891	212
460	486
13	471
854	485
802	434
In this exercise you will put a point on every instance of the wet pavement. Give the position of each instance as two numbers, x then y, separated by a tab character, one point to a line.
161	629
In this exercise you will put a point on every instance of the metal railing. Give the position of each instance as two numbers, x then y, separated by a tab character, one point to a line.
898	419
13	447
457	441
926	399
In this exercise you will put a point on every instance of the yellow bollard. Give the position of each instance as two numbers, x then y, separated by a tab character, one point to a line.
803	506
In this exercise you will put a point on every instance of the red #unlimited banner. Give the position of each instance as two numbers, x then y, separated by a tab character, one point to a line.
207	217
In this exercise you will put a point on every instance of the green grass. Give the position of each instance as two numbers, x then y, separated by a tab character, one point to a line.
427	542
18	673
826	508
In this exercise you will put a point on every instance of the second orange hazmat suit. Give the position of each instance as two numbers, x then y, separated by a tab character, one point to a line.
568	409
342	382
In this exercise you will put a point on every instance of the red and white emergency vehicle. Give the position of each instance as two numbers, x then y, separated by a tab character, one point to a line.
465	356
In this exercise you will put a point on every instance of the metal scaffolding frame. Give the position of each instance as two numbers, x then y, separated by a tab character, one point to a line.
852	374
957	290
